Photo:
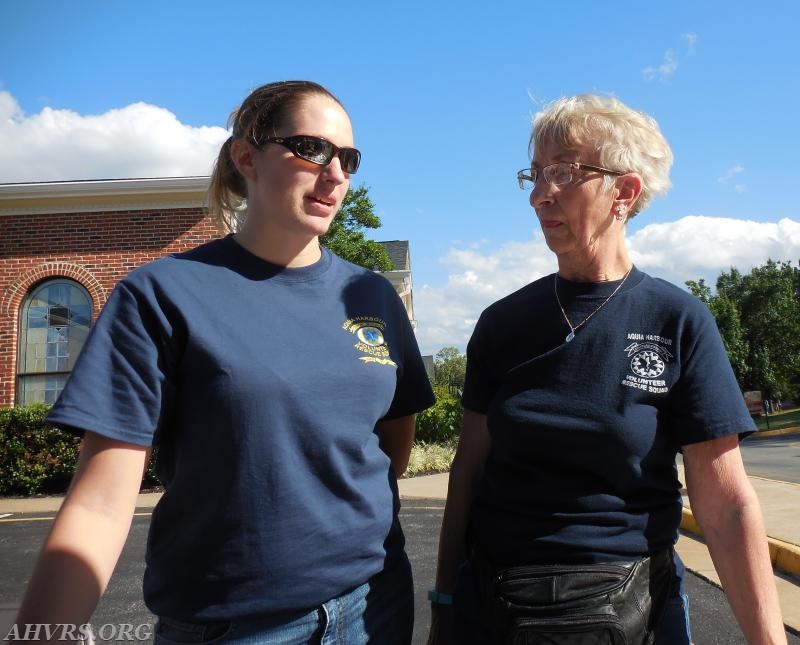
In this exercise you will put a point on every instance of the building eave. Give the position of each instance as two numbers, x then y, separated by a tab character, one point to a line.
102	195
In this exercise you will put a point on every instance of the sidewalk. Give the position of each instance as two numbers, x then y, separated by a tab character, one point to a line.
780	502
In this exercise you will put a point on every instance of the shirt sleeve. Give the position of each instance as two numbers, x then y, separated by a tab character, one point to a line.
120	386
414	392
706	402
479	387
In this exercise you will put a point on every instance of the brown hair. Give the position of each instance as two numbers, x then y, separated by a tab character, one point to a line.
265	109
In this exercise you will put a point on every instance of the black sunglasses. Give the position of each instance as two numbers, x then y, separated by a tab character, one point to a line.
317	150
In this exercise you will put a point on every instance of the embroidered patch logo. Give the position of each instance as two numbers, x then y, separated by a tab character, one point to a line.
369	331
649	357
371	336
647	363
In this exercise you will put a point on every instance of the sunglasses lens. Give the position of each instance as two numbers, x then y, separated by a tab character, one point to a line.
315	150
320	151
350	158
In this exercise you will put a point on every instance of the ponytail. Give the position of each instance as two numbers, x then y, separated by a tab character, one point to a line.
227	192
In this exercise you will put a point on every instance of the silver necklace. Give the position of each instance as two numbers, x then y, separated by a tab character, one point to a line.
574	328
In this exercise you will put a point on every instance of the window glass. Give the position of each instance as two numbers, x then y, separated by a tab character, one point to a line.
54	323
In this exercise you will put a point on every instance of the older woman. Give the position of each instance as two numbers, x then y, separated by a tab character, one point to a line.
564	501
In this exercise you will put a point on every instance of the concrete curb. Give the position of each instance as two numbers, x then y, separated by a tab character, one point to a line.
775	433
784	555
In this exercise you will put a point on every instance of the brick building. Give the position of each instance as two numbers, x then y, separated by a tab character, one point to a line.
63	247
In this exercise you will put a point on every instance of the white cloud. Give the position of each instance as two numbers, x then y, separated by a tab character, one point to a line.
690	40
669	63
446	315
139	140
697	246
692	247
732	172
668	67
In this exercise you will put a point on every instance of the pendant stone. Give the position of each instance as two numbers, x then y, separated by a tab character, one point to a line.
570	336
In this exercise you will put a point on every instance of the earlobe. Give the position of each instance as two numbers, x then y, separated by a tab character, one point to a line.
629	187
243	157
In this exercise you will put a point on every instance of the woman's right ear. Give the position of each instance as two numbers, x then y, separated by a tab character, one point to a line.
243	157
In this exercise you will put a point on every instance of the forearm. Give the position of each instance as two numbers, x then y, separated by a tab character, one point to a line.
461	489
87	536
738	547
728	511
74	566
395	438
465	473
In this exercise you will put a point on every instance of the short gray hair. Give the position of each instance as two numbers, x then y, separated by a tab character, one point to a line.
626	140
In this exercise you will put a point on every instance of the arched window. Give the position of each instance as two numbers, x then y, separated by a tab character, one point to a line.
55	320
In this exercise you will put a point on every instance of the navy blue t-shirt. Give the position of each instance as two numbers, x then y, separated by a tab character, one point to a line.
585	433
261	386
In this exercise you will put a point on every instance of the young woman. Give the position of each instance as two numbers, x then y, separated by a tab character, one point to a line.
278	382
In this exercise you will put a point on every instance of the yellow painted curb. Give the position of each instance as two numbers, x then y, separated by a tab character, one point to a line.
784	555
688	523
787	556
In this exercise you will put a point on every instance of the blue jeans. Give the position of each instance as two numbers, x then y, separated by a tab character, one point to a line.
381	611
473	627
674	628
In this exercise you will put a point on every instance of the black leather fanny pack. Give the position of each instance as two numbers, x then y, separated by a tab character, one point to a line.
617	603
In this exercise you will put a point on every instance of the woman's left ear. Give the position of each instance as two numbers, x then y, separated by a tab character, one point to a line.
628	187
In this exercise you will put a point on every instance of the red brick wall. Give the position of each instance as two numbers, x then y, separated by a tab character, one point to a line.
94	249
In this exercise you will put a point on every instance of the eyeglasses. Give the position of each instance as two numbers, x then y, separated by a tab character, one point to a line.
317	150
557	174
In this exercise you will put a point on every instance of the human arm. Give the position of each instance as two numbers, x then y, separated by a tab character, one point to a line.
395	437
87	536
465	473
728	511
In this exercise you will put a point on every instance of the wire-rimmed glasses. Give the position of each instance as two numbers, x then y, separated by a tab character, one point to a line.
557	174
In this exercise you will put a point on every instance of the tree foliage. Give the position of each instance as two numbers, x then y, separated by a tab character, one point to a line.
450	367
758	316
345	237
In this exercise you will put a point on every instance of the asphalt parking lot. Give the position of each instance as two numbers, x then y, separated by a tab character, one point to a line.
712	621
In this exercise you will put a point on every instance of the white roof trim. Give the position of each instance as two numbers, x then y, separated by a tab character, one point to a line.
102	195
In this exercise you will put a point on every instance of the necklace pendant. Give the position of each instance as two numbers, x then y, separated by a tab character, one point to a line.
570	336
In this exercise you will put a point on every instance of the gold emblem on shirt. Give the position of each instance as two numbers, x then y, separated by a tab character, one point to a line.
371	341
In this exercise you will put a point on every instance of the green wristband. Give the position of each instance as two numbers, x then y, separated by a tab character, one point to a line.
439	598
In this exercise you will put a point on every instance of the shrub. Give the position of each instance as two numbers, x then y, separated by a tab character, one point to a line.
36	457
442	421
428	458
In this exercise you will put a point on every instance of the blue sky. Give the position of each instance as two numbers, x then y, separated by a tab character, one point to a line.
441	95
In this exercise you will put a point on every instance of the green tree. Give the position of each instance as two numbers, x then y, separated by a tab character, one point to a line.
729	322
450	367
700	289
758	315
345	237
